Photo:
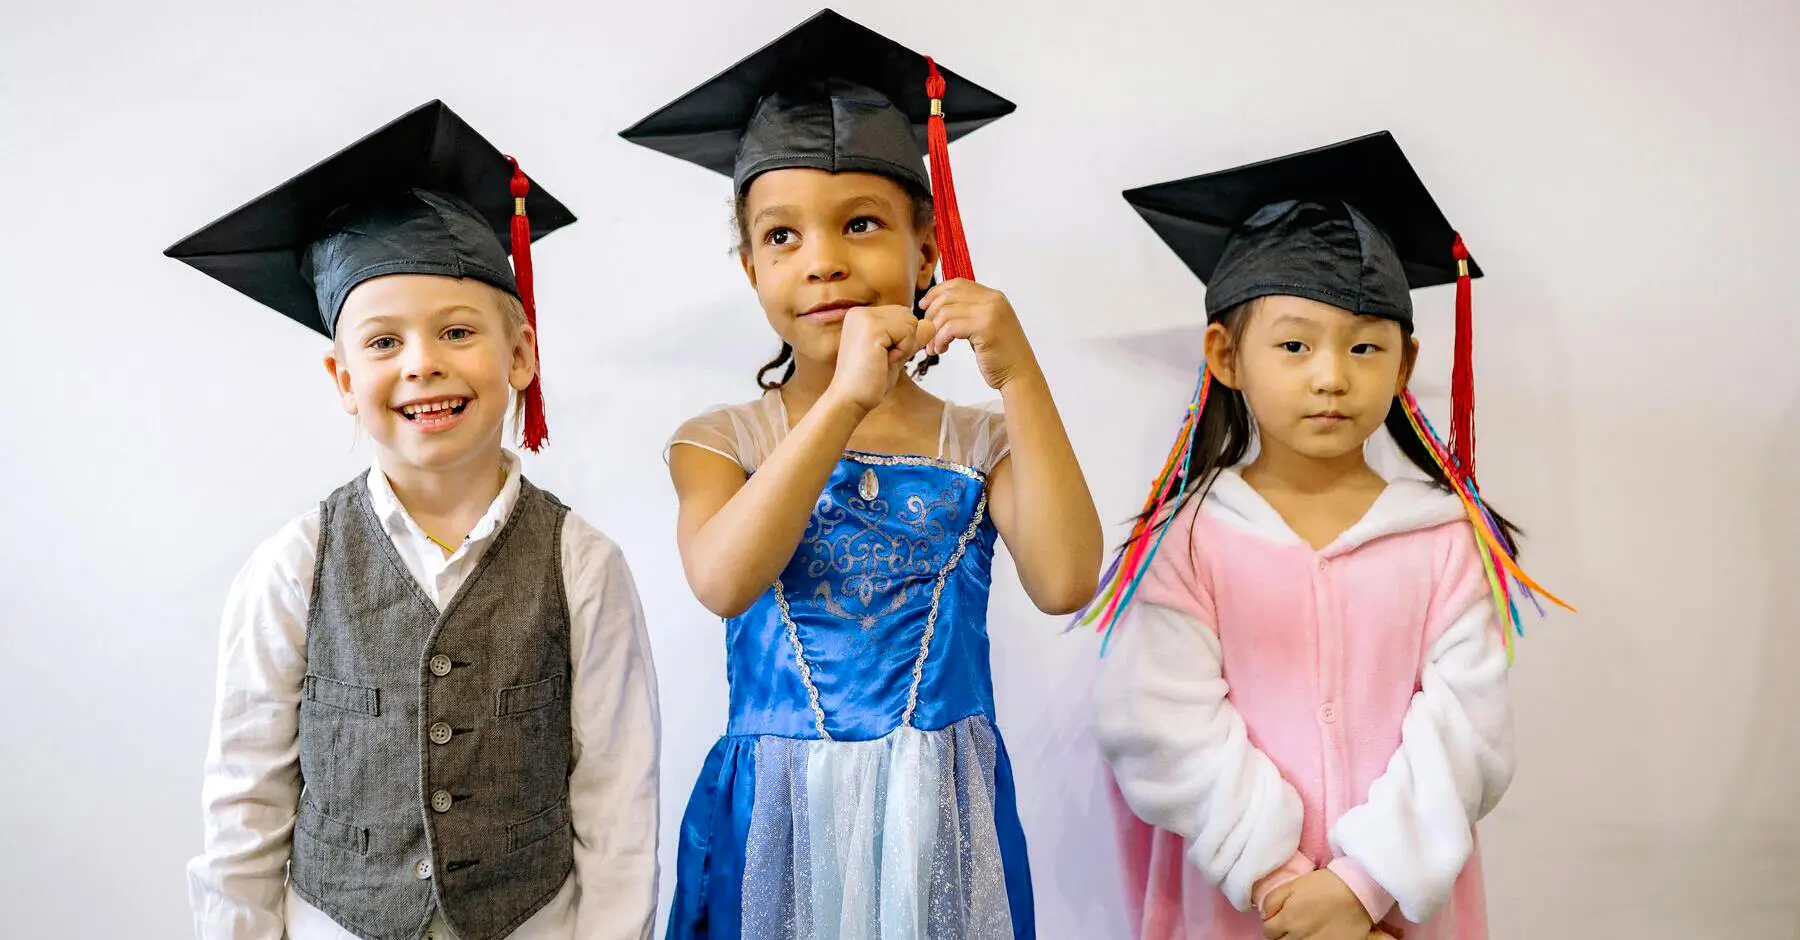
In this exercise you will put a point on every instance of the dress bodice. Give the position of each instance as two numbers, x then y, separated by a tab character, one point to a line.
879	621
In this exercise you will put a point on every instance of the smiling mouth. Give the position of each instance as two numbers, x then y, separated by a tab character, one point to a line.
436	412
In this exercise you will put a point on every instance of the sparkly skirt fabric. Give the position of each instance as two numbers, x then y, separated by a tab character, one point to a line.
914	836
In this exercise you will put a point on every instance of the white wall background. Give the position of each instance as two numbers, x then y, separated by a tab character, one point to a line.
1622	170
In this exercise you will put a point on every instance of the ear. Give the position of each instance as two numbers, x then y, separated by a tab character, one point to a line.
1220	358
523	367
340	380
928	259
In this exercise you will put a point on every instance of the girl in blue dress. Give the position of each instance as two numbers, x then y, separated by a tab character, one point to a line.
844	524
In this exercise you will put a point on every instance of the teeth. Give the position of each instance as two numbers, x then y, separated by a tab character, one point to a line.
435	406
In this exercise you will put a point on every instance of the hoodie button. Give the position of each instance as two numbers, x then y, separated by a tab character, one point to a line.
1328	713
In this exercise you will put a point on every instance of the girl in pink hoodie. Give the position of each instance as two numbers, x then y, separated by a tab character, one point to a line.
1306	709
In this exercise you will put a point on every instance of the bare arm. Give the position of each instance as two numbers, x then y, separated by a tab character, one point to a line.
1039	498
737	532
1041	502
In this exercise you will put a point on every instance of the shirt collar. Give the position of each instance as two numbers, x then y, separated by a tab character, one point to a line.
398	521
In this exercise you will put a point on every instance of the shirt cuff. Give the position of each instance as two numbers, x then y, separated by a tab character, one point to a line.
1373	896
1291	869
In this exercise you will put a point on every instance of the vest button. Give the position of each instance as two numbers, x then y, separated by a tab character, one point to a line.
422	869
441	801
440	665
440	733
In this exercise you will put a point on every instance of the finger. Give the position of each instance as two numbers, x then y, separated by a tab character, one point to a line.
948	332
945	291
906	345
931	296
925	332
1277	900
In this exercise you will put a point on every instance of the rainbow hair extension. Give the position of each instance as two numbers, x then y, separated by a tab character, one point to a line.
1498	554
1127	571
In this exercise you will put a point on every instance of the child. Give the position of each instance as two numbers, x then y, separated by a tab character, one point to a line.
437	711
843	524
1308	701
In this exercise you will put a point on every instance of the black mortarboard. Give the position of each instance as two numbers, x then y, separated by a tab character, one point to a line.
1349	225
425	194
830	95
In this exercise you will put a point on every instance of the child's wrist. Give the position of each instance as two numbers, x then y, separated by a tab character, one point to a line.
836	402
1023	378
1296	865
1375	899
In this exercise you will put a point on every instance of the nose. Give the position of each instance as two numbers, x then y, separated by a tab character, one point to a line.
827	262
1330	374
421	361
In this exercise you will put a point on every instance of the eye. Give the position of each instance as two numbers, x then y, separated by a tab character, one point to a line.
1365	349
1293	346
780	237
863	225
384	343
457	334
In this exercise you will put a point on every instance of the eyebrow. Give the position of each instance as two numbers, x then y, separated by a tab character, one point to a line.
865	201
384	320
771	212
851	204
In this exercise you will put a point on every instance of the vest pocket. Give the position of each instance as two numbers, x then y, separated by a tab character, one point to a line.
529	697
350	698
331	832
538	828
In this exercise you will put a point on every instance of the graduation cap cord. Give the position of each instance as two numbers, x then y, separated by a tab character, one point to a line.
1462	371
536	432
953	247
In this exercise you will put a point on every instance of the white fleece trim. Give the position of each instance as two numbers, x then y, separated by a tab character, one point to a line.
1182	756
1406	505
1416	830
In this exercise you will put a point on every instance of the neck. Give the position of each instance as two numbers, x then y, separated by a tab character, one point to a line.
1278	467
458	495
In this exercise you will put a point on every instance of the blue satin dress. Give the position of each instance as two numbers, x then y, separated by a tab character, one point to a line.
862	791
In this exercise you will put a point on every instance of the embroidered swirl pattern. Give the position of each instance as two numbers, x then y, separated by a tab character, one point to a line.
870	557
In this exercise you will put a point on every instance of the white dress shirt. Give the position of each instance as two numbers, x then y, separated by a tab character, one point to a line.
251	794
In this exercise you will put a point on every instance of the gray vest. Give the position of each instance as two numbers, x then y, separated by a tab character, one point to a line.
434	748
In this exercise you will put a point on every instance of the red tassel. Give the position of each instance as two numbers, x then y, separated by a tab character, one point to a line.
536	432
953	247
1462	372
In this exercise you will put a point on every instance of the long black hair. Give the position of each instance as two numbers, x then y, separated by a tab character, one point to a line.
1225	433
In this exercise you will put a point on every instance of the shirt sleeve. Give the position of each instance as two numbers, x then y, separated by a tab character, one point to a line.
613	784
1178	748
250	792
1406	844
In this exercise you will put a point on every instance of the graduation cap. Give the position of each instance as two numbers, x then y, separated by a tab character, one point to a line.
1348	224
831	95
424	194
